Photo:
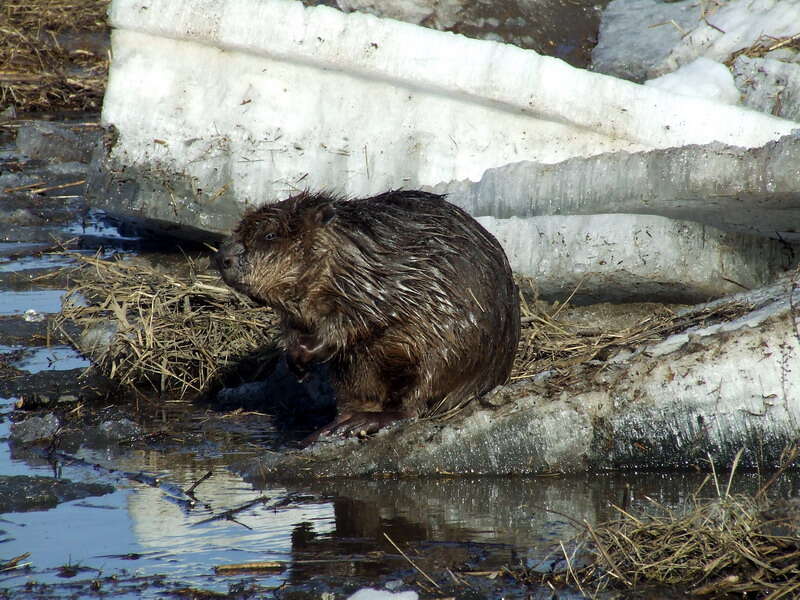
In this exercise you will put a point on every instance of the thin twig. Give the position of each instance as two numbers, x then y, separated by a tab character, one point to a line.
411	562
190	491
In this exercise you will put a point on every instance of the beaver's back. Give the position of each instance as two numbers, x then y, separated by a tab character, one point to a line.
436	284
408	298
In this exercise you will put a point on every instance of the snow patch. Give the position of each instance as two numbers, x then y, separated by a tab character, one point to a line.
701	78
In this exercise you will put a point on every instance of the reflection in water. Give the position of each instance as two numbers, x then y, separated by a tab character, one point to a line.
190	548
42	301
514	519
336	529
30	263
96	223
49	358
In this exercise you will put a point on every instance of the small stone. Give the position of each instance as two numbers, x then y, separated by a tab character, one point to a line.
34	429
33	316
119	429
394	584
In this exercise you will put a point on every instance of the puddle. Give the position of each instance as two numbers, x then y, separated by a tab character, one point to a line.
97	224
333	529
31	263
9	249
41	301
137	529
51	358
152	536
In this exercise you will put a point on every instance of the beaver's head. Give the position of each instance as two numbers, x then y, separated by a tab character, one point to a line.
272	248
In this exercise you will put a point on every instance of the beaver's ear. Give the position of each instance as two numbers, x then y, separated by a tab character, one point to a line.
325	213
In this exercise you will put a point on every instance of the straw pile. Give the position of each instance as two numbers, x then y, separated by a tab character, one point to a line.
729	546
53	54
176	333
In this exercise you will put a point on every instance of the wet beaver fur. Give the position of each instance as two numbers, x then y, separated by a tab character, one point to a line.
409	299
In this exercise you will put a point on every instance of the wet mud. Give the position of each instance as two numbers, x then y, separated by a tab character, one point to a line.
19	493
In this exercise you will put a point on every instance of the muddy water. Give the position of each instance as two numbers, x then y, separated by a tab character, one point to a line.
143	539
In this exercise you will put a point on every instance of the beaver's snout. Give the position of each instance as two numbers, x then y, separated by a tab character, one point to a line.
228	259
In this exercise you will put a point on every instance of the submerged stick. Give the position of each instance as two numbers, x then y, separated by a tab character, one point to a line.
191	489
264	565
50	188
228	514
411	562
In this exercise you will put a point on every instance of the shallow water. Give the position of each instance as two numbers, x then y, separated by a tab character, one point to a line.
39	300
333	529
33	263
50	358
104	533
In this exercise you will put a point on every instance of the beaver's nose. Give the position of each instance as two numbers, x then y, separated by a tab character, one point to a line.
228	254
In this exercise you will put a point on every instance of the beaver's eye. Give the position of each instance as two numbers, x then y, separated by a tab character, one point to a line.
270	236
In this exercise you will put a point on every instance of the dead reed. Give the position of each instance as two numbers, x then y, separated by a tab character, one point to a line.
550	342
53	54
727	546
766	44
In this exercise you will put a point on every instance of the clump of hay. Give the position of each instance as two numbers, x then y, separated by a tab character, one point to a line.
174	331
53	54
727	546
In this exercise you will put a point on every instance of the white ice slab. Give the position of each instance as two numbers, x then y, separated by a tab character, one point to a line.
624	258
224	101
702	78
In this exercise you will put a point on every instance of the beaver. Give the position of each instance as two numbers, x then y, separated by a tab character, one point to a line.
406	297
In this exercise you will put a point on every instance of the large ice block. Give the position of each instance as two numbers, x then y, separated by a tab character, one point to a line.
221	103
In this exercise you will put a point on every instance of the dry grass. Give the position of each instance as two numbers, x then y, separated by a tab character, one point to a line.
180	329
727	546
550	342
49	60
766	44
176	332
